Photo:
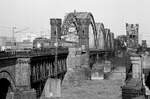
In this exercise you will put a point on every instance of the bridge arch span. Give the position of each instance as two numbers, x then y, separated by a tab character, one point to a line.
7	84
101	36
72	24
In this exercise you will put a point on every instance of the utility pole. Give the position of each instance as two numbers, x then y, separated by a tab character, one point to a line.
56	46
13	34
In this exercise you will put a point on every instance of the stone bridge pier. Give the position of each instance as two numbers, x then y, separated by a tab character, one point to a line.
134	83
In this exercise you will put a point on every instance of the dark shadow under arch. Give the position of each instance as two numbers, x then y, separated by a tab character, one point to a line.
7	84
5	87
147	81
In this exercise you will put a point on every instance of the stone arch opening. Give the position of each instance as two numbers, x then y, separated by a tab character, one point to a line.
92	31
7	85
101	36
91	37
5	88
108	39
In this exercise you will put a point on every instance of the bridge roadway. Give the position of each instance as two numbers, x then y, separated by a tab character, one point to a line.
32	73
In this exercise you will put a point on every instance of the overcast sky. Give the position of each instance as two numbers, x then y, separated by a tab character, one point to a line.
36	13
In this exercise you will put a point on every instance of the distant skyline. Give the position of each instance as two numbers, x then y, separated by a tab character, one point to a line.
36	14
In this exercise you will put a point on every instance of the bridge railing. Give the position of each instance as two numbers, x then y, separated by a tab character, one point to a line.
47	68
31	52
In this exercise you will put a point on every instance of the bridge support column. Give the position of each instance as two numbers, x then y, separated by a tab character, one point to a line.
52	89
136	67
134	84
22	80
